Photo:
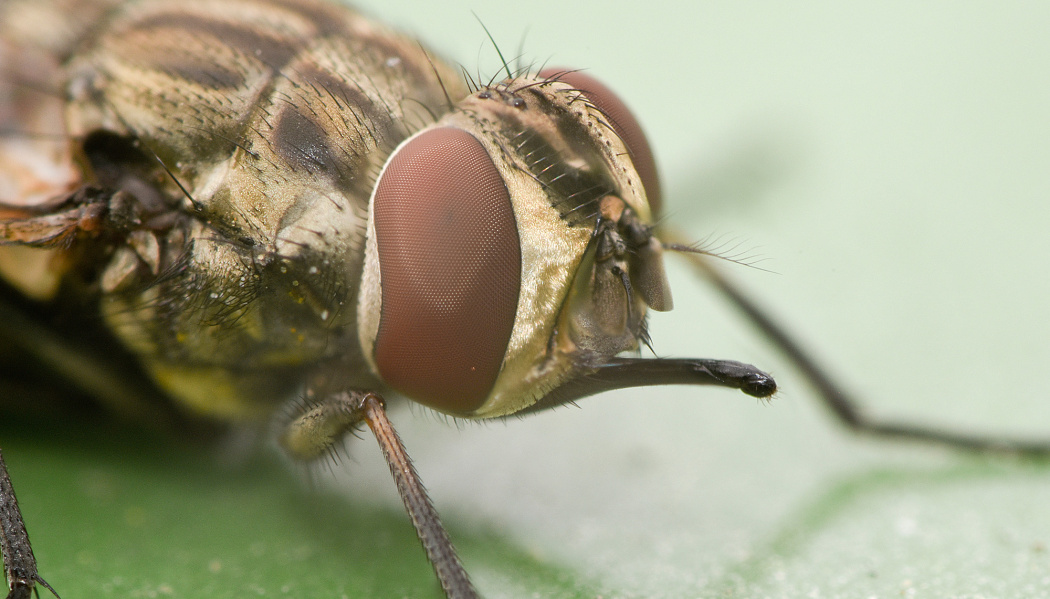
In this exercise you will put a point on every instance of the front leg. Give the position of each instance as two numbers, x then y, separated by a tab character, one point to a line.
312	434
19	562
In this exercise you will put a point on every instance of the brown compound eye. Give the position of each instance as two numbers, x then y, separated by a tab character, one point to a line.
623	122
450	270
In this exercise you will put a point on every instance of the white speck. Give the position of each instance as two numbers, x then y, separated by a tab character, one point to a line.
324	315
393	61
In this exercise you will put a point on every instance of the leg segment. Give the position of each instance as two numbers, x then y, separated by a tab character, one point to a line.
842	404
312	434
19	563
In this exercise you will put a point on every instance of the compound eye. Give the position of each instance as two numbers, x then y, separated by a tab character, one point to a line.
623	123
450	270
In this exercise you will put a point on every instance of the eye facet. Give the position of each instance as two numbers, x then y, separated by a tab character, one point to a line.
450	269
622	121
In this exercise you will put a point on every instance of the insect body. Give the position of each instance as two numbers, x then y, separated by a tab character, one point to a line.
279	210
269	200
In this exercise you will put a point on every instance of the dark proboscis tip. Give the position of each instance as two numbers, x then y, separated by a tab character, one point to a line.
738	375
759	385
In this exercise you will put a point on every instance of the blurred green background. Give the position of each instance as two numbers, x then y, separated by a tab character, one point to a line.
887	162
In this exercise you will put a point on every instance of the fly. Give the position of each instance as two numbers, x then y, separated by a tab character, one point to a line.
286	215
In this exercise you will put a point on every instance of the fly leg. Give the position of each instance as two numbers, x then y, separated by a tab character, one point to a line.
312	433
843	405
19	563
